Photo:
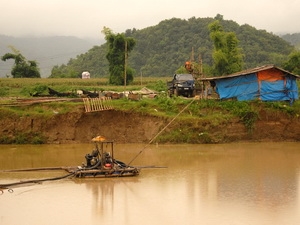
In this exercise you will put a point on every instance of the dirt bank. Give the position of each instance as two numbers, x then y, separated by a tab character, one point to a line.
125	127
78	126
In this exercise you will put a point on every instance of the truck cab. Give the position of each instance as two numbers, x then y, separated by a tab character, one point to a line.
182	85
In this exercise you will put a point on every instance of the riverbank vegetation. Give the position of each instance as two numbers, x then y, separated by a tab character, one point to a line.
10	89
206	113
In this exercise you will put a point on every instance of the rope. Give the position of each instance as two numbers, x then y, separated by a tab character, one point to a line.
160	132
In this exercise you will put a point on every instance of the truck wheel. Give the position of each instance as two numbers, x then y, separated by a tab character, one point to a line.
170	93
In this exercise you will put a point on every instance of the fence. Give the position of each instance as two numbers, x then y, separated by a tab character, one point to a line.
97	104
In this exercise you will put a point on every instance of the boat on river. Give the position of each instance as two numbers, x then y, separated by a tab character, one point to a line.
100	163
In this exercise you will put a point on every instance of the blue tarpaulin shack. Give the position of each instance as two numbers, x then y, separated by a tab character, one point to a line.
267	83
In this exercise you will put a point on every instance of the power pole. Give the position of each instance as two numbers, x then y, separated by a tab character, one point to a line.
125	65
192	59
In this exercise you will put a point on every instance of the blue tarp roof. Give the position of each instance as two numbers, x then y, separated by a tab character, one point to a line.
242	88
246	86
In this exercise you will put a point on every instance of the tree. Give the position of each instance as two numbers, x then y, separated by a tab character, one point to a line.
22	67
293	63
226	54
64	72
118	48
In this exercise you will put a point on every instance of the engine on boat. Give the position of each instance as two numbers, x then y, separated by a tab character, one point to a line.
91	159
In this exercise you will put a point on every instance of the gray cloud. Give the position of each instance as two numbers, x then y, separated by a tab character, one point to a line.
87	18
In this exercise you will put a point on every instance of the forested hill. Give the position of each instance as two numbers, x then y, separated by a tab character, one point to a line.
162	49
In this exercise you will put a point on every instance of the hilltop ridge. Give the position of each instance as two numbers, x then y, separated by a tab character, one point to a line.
163	48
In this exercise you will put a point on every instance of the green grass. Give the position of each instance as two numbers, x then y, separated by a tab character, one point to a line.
23	87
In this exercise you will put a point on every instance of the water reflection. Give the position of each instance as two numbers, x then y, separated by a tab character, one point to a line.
103	192
257	183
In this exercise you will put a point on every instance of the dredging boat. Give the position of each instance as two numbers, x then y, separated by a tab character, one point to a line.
101	163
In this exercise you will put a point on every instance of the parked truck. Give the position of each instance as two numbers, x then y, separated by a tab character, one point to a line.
182	85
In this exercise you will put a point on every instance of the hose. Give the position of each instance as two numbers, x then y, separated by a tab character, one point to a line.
9	185
33	169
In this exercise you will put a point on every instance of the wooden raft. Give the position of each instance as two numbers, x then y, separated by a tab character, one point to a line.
97	104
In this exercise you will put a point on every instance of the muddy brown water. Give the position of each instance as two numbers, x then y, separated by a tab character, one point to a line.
227	184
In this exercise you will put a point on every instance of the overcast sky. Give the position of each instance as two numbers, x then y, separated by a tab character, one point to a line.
86	18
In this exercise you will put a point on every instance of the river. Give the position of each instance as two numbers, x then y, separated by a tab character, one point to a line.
226	184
